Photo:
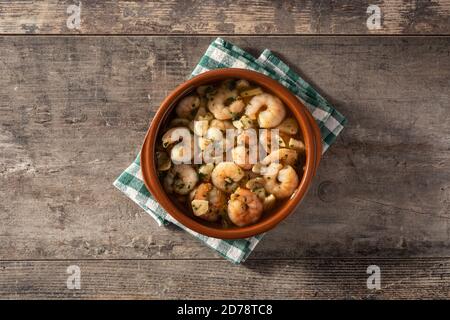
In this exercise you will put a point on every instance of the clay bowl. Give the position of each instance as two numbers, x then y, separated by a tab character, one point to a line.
309	129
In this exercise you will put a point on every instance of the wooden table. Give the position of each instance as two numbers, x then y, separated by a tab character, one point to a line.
75	105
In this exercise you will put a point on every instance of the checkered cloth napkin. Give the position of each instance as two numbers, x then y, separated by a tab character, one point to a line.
222	54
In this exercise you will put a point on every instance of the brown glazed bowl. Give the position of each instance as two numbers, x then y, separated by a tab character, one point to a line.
309	129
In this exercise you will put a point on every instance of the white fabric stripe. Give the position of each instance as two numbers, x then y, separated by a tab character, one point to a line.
234	253
332	124
218	55
319	114
139	174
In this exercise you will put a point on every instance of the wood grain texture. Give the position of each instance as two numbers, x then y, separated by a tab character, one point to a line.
226	17
206	279
74	111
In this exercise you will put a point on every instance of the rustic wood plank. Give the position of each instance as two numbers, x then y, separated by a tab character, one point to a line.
264	279
73	112
225	17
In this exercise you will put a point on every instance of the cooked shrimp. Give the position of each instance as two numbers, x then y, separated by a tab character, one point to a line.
227	128
267	109
242	157
244	122
269	202
242	84
244	207
183	144
225	104
205	170
212	135
208	202
255	183
281	181
271	140
203	90
283	156
179	122
201	127
203	114
296	144
248	137
181	179
222	125
187	107
226	176
163	161
215	142
230	153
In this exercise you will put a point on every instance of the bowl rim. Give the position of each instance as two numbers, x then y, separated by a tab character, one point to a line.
308	126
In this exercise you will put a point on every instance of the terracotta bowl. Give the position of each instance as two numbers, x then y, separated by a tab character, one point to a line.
309	129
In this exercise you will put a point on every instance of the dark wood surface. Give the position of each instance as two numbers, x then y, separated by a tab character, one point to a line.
226	17
218	279
74	111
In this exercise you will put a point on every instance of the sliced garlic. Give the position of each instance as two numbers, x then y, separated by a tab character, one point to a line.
296	144
255	183
288	126
252	92
260	192
269	202
200	127
205	171
244	122
200	207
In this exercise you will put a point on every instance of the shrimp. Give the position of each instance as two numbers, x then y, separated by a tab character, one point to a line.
222	125
163	161
272	113
244	207
212	137
208	202
242	84
269	202
203	114
187	107
255	183
297	145
271	140
183	141
244	123
201	127
179	122
242	157
247	137
226	176
205	170
214	143
181	179
245	154
281	181
283	155
225	103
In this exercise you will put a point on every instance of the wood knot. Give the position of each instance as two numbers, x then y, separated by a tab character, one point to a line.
327	191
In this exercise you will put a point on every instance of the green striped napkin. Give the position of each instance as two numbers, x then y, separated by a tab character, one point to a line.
222	54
